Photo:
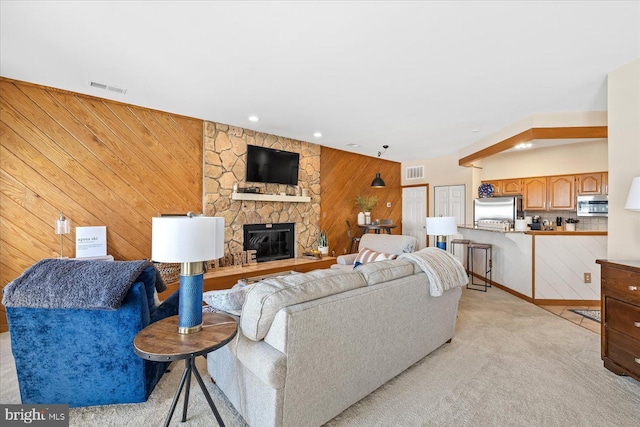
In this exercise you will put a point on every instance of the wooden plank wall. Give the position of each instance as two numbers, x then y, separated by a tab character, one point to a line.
343	176
99	161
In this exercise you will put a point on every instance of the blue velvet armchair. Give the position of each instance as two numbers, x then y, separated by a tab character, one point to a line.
84	357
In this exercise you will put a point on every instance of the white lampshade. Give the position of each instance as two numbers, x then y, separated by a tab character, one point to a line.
442	226
187	239
633	199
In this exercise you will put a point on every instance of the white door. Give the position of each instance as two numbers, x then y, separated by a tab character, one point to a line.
450	201
414	212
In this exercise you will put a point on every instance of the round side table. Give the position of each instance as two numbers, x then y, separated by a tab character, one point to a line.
161	342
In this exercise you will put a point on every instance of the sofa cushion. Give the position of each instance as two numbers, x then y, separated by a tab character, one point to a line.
367	255
266	298
388	243
383	271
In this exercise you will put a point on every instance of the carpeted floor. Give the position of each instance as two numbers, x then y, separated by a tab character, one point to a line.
589	314
509	364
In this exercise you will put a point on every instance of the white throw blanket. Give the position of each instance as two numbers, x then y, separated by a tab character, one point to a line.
443	270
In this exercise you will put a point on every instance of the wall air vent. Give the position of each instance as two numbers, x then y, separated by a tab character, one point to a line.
107	87
415	172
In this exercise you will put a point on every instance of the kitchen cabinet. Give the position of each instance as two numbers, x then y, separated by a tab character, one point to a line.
534	194
561	192
497	187
506	187
511	187
591	184
620	327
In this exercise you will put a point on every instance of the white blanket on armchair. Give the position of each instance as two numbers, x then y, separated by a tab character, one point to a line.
443	269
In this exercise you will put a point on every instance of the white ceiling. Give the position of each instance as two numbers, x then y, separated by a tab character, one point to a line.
417	76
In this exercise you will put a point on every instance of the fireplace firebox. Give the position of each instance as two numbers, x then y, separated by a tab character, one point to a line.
270	241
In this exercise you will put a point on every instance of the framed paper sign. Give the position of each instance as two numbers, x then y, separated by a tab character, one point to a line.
91	241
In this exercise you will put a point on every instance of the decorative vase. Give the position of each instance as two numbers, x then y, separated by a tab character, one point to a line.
360	218
324	250
367	218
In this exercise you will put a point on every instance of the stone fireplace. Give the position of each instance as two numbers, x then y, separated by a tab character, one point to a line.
270	241
225	150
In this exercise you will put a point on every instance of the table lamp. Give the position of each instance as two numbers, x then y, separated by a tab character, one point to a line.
633	199
190	240
442	226
63	226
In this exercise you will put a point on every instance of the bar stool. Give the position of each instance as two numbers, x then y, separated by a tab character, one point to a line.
488	265
463	242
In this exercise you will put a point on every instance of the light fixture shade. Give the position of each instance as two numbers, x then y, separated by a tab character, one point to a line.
377	181
633	199
63	225
187	239
442	226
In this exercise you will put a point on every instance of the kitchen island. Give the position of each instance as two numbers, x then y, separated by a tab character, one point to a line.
543	267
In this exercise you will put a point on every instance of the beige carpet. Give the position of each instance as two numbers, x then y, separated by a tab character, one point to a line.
510	364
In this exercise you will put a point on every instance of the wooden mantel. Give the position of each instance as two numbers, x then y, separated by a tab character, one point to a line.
536	133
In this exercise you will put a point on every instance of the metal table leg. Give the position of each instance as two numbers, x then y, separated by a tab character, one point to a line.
190	368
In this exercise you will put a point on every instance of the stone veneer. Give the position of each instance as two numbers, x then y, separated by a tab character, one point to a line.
225	150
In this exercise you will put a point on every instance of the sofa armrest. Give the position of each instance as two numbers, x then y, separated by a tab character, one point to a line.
169	307
348	259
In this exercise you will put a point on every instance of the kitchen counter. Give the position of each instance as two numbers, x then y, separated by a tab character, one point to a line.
541	232
566	233
543	267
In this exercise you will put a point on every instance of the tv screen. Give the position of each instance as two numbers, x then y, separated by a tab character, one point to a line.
272	166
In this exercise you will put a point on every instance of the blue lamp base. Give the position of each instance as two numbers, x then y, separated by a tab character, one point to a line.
441	242
190	305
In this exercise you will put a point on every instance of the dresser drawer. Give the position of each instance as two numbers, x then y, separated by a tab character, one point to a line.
621	284
622	317
625	351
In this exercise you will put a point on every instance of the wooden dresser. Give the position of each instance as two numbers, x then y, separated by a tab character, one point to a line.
621	316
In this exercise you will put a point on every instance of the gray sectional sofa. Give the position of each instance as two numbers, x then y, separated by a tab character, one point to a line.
311	345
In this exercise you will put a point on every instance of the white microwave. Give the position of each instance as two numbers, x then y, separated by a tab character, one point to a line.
592	206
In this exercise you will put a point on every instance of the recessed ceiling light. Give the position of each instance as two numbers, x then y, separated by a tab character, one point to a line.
523	145
253	118
353	145
317	134
475	130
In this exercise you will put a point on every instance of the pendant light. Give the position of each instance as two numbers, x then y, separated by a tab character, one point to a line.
378	182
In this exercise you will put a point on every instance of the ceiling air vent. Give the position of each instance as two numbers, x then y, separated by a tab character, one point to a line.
415	172
107	87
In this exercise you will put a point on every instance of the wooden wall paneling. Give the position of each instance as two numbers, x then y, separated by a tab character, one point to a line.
118	156
180	156
180	176
344	176
72	208
105	165
46	160
98	175
154	169
102	162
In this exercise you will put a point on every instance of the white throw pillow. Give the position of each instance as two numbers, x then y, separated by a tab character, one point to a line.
228	300
366	255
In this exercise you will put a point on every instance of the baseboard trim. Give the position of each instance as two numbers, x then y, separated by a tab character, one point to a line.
587	302
504	288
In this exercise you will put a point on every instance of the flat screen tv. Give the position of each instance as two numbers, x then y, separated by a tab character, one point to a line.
272	166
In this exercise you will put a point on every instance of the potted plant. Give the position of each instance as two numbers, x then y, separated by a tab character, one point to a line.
323	244
571	224
366	204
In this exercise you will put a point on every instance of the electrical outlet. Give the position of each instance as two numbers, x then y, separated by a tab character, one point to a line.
587	277
388	204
